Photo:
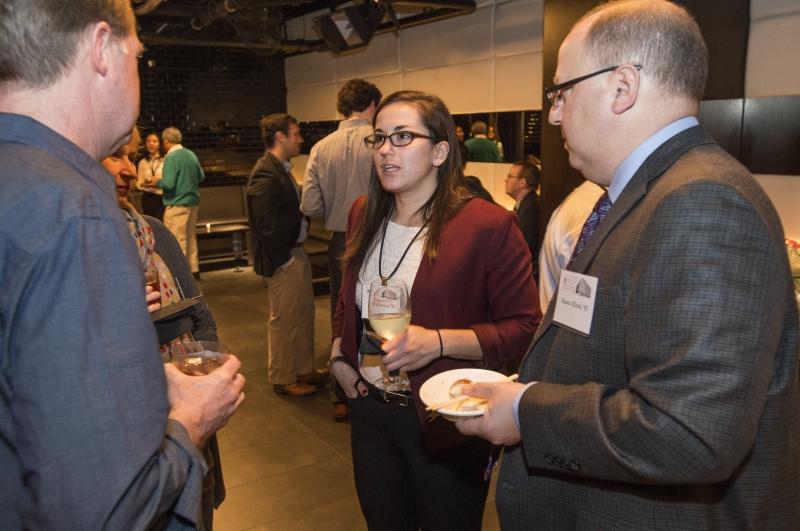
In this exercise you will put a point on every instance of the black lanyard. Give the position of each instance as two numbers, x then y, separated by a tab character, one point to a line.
380	256
154	165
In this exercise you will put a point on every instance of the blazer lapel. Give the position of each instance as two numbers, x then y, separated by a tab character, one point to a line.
653	167
288	180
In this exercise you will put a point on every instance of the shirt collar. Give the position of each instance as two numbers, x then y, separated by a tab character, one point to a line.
528	191
353	122
634	161
176	147
21	129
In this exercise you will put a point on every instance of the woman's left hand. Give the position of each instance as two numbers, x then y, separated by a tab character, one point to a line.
153	299
411	350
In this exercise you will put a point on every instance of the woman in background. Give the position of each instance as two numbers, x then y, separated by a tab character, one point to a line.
474	305
159	249
149	174
491	134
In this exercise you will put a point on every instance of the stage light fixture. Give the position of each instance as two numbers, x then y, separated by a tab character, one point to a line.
348	28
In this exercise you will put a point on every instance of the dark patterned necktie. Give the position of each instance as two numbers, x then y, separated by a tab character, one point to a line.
595	217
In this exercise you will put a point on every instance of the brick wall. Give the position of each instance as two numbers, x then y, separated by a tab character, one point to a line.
216	97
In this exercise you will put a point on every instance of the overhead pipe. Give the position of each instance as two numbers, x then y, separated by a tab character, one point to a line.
217	12
225	8
286	46
461	5
442	9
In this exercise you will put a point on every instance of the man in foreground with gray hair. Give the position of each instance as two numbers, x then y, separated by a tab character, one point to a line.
661	389
92	433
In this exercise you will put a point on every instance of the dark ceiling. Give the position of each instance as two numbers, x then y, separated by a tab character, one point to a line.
260	25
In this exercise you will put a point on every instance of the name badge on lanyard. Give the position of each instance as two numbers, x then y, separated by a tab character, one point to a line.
365	300
575	301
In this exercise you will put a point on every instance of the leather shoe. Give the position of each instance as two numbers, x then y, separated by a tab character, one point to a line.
294	389
318	377
339	412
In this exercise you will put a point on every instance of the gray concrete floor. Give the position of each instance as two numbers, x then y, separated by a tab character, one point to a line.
287	465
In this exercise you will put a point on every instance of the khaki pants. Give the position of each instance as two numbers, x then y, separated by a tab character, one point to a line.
181	222
291	321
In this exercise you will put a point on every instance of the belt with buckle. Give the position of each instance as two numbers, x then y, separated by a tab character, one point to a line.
401	398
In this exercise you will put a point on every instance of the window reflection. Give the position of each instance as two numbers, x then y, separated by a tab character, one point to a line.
518	133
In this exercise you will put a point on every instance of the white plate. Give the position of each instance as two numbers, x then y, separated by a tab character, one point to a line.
436	389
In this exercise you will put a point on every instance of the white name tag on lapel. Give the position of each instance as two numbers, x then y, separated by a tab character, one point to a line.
575	301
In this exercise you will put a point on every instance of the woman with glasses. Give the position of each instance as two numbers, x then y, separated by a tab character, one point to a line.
159	250
474	305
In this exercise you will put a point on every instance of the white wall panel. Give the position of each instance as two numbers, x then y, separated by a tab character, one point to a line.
464	88
312	103
772	57
387	84
518	82
484	172
493	178
770	8
518	27
380	57
309	69
446	42
784	191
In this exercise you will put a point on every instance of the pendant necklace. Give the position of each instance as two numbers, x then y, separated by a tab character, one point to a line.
402	257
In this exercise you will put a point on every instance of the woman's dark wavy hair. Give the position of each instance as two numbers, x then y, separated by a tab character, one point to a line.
450	196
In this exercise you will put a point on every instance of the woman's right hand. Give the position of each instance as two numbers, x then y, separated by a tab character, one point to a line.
348	378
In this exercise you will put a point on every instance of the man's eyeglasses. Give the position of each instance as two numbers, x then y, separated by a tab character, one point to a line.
397	139
556	93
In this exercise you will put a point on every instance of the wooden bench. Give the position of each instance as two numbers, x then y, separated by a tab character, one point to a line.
222	224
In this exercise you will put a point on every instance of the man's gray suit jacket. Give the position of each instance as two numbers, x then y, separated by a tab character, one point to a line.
680	409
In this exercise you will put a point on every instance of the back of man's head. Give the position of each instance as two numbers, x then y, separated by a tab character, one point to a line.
478	127
657	34
172	135
39	38
273	123
530	173
356	95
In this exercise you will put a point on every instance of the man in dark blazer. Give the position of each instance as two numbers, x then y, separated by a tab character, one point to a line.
522	184
674	404
279	229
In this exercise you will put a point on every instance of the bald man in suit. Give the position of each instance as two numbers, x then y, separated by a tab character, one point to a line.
674	403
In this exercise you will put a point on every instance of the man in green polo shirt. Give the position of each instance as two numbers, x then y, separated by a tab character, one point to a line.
479	147
182	175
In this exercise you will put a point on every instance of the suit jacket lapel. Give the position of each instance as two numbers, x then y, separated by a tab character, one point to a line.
653	167
288	180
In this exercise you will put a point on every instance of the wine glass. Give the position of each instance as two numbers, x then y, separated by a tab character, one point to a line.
151	275
389	315
197	358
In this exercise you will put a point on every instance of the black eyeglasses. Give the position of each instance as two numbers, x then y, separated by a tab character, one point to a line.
556	93
397	139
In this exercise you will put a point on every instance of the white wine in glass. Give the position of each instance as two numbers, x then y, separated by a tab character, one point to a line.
390	325
389	315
